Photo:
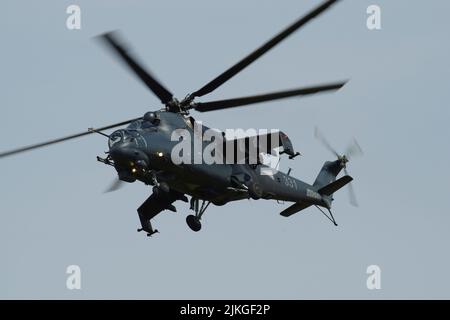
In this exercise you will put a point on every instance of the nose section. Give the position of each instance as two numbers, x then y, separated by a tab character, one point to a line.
124	154
128	161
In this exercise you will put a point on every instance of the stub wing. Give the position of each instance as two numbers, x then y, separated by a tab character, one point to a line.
157	202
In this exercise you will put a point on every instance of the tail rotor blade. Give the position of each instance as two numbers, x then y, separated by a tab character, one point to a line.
115	185
354	150
351	192
324	141
352	195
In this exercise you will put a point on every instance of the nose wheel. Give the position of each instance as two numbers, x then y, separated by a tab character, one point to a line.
193	221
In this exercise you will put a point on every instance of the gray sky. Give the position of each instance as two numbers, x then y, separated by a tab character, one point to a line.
56	82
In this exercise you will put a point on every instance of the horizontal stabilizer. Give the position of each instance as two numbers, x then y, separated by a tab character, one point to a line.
331	188
296	207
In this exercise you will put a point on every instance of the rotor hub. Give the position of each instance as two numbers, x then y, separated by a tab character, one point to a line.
343	159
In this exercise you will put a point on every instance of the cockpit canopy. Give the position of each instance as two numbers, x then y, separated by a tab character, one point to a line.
126	136
150	120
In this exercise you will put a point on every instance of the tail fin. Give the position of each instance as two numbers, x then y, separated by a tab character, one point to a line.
326	182
328	173
325	191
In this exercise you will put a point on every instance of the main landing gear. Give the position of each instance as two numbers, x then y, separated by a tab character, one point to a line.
193	221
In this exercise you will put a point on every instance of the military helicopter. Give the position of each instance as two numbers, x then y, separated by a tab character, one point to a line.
142	151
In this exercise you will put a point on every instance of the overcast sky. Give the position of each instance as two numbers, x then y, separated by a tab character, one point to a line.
52	210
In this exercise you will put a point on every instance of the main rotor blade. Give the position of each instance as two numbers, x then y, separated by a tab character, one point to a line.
237	102
73	136
157	88
324	141
235	69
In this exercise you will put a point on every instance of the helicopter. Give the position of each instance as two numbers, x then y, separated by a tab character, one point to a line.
143	150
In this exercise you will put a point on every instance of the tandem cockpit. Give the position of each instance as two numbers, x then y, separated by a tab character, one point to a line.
131	136
126	137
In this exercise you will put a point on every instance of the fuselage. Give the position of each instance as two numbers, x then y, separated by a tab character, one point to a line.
147	149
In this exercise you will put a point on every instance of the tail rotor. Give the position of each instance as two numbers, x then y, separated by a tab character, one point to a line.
353	150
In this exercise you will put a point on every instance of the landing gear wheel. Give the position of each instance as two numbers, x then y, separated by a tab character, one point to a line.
193	222
254	190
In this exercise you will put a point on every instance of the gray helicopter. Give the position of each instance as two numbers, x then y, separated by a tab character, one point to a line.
143	151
